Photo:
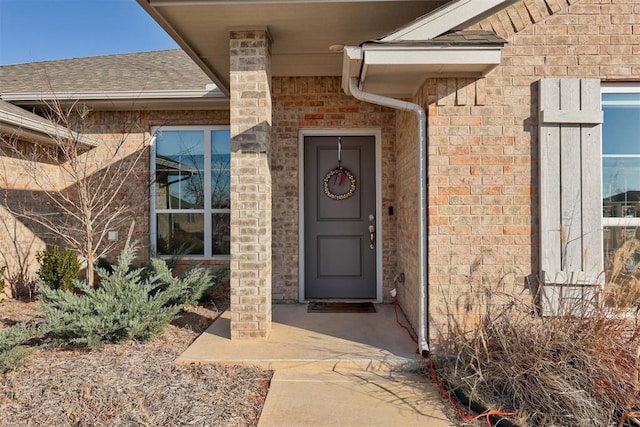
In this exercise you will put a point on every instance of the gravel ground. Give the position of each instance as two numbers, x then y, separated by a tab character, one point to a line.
132	384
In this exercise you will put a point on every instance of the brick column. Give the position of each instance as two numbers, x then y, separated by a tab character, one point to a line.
250	105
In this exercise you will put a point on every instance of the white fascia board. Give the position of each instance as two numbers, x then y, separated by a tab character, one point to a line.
432	55
168	3
446	18
115	95
351	62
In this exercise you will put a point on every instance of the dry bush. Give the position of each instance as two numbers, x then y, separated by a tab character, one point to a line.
579	369
623	281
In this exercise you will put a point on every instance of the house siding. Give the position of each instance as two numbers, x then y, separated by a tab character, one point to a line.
482	155
22	238
107	127
25	238
483	171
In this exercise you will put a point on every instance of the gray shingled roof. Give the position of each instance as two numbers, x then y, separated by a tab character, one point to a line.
469	37
146	71
454	38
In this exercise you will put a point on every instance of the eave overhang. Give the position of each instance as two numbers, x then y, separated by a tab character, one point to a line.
209	99
454	16
30	127
398	70
302	30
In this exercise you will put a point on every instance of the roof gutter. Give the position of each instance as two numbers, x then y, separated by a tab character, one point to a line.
130	100
423	327
115	95
34	130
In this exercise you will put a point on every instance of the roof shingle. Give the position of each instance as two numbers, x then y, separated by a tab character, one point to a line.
145	71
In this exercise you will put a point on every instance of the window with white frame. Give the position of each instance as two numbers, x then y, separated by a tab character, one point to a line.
621	176
190	194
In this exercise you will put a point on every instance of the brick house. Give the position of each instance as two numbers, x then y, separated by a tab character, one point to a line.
479	140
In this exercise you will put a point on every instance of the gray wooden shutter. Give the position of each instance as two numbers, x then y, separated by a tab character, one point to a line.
571	260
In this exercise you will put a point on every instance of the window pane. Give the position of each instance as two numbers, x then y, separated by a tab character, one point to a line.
220	169
621	253
621	127
621	187
220	235
182	232
180	170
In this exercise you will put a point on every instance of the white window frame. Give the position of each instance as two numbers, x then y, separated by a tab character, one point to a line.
207	211
619	88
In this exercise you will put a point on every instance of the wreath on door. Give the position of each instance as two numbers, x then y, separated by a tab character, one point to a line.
338	175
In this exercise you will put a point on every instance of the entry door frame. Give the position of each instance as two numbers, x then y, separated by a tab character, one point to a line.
377	134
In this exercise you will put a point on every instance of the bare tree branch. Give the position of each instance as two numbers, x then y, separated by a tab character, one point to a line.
81	194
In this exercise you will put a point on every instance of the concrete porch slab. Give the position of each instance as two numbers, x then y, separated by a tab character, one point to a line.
369	341
331	369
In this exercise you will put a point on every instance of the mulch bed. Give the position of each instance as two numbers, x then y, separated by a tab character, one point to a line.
132	384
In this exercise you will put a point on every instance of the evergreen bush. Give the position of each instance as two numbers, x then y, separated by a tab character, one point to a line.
58	269
12	354
191	285
130	303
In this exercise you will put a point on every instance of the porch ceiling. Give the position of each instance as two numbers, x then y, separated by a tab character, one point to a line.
302	30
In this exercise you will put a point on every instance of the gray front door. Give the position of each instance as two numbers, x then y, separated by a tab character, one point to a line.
339	252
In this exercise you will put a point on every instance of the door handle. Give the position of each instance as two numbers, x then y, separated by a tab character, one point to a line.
372	236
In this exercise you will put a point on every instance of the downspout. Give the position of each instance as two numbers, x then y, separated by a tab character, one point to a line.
423	326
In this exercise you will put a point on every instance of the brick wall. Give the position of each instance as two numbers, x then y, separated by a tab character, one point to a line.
319	103
482	148
108	127
22	238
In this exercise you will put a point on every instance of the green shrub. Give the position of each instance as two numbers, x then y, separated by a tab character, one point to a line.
58	269
190	286
129	304
12	354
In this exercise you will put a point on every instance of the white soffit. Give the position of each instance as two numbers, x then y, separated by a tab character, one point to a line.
431	46
455	15
302	30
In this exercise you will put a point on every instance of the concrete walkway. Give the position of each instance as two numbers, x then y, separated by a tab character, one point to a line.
331	369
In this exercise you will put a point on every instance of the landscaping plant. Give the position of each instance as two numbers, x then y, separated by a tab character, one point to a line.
579	368
58	268
129	304
12	353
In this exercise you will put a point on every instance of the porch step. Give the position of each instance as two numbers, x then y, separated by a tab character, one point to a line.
370	342
389	365
312	397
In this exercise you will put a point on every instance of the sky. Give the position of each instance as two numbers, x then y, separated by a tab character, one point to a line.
42	30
